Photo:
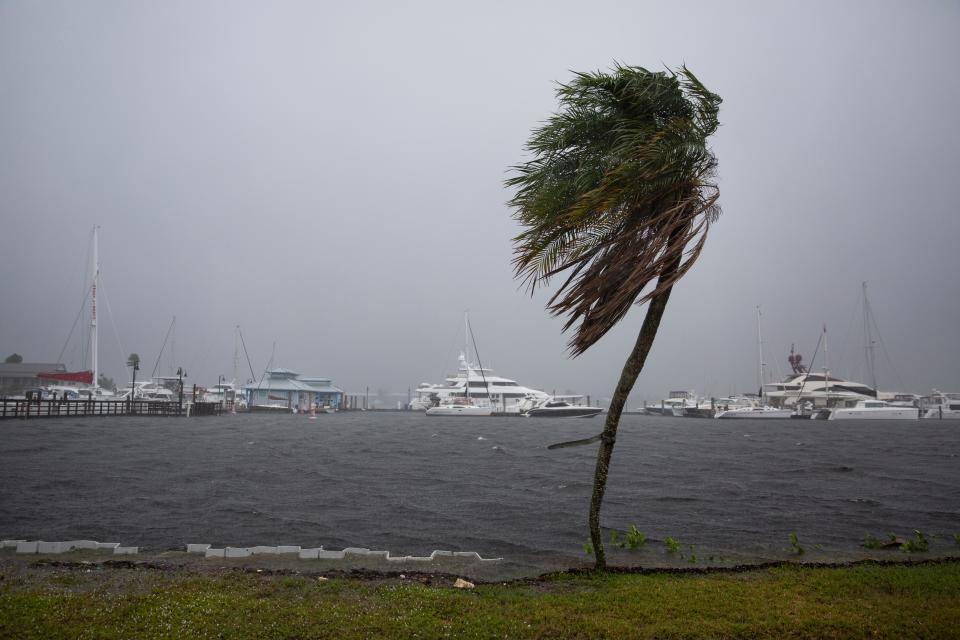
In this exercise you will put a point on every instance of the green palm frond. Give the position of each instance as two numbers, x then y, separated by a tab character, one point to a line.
618	193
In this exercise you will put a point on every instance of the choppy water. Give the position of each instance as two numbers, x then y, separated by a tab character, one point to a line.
410	484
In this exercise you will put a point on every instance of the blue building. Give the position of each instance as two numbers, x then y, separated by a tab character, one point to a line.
285	390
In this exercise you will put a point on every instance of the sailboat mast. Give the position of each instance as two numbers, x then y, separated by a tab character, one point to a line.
93	315
236	353
826	362
760	345
868	338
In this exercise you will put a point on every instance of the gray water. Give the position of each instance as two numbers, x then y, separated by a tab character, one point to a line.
409	483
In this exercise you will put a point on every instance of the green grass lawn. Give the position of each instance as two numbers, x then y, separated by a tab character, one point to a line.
864	601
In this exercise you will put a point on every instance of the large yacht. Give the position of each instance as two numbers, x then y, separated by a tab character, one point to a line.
821	389
479	386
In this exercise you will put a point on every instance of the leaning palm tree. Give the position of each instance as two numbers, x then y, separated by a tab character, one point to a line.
618	197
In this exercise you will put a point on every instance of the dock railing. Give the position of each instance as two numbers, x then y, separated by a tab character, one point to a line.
23	409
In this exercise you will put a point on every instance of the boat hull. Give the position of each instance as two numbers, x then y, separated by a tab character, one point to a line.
941	414
565	412
886	413
753	413
459	411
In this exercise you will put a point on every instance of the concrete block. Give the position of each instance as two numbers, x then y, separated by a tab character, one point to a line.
467	554
330	555
197	548
236	552
10	544
27	547
381	554
356	551
437	553
288	549
126	551
49	547
309	554
261	550
215	553
107	546
72	545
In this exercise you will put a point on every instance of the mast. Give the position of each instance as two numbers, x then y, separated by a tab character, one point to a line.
868	338
760	345
826	362
93	315
236	353
466	353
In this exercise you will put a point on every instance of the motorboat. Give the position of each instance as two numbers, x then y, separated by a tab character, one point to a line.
676	404
941	405
874	410
556	407
459	407
227	393
759	411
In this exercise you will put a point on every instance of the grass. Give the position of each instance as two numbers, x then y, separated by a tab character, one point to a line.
863	601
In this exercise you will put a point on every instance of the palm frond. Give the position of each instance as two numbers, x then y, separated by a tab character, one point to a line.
618	193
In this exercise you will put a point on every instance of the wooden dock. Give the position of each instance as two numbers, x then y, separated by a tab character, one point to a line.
24	409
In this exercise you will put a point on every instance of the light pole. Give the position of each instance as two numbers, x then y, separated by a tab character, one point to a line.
181	374
134	362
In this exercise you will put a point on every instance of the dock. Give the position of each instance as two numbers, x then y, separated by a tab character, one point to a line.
24	409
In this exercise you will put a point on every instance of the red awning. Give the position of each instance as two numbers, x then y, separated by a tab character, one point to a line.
86	377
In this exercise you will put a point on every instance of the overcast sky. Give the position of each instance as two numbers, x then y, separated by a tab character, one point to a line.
329	176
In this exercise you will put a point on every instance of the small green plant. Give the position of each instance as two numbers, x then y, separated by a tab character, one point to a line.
956	538
588	548
912	545
795	544
635	539
673	546
872	542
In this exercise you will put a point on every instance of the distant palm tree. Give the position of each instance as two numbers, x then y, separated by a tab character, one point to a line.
618	196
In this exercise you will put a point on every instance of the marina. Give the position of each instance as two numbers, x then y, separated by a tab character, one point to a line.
402	482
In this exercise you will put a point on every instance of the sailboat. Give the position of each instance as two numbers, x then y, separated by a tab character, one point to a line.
464	405
89	378
872	408
759	410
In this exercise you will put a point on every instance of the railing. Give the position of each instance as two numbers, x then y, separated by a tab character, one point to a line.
19	408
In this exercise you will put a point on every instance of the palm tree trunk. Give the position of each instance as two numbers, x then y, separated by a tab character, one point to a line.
628	377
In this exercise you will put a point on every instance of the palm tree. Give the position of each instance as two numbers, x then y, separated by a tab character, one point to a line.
618	197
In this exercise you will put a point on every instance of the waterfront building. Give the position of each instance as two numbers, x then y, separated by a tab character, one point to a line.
282	389
17	377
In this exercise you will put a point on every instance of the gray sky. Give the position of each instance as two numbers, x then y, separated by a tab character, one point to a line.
330	177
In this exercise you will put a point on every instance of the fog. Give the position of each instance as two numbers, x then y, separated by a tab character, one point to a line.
330	177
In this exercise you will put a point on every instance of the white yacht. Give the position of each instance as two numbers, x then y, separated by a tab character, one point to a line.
480	386
819	388
227	393
677	404
939	405
459	407
149	390
874	410
765	412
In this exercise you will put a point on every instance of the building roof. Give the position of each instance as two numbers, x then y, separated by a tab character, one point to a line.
27	369
294	384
